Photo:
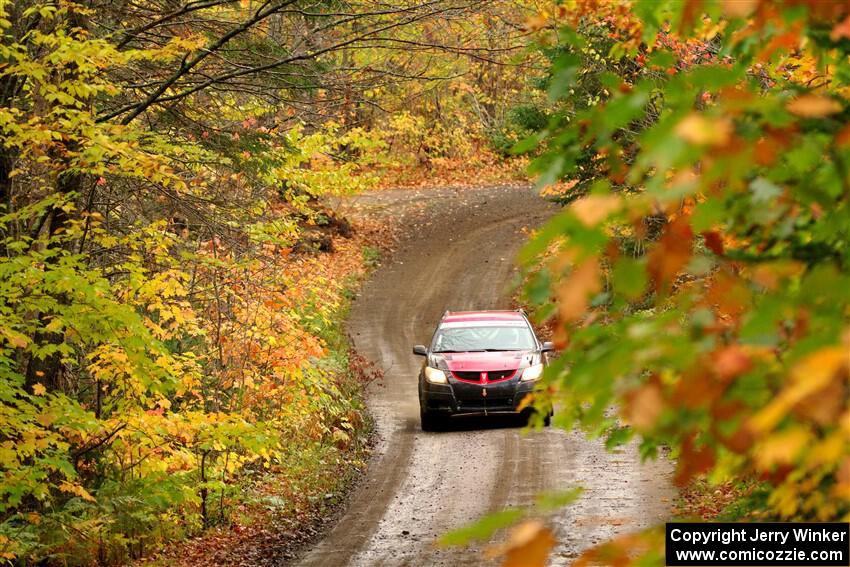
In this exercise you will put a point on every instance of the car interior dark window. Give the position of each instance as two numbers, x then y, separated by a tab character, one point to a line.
489	338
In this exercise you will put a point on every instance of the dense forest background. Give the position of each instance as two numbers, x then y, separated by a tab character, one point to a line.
173	281
170	320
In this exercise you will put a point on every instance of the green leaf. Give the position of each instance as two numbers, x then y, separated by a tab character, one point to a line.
763	190
629	278
552	501
484	528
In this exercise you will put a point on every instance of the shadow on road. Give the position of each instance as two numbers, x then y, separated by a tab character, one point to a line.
481	422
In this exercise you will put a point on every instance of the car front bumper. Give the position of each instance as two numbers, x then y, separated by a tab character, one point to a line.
458	397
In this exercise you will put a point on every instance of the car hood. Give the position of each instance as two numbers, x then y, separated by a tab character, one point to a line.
485	361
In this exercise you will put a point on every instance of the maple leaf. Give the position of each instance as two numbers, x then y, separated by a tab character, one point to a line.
730	362
738	8
809	376
72	488
813	106
593	209
781	448
15	338
672	252
575	291
693	460
644	406
697	129
713	241
536	22
529	545
38	389
841	30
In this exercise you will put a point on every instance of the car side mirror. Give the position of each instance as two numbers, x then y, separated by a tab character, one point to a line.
548	346
420	350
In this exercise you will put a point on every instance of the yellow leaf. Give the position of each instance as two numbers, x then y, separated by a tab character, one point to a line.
813	106
828	450
526	401
595	208
536	23
697	129
71	488
810	375
782	448
15	338
39	389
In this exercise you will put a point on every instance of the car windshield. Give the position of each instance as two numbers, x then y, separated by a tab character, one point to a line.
483	338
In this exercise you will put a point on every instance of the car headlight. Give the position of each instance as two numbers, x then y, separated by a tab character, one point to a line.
533	372
435	376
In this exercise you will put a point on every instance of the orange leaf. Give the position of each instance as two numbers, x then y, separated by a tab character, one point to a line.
843	137
697	129
644	406
841	30
536	22
15	339
76	489
738	8
529	545
693	461
593	209
730	362
575	291
672	253
697	390
813	106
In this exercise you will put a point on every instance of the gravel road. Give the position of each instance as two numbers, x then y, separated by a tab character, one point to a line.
457	253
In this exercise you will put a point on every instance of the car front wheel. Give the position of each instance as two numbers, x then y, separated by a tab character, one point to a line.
430	421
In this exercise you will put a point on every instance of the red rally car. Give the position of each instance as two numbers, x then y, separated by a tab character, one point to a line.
479	362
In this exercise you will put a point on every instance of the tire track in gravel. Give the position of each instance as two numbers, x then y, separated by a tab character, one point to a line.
457	254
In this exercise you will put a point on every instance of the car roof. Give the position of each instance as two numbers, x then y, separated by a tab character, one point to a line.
470	316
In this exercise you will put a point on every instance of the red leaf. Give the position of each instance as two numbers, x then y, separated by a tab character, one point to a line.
671	254
693	461
730	362
713	241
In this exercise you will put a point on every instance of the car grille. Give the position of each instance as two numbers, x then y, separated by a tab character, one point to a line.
492	376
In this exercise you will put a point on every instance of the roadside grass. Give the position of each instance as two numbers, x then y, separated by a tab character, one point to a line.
727	501
371	256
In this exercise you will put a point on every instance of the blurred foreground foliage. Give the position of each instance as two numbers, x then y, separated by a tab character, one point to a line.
699	278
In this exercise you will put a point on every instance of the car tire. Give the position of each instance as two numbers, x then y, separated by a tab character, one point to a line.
430	421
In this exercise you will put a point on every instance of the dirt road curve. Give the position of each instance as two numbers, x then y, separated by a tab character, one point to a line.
458	255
